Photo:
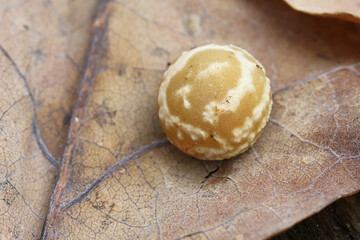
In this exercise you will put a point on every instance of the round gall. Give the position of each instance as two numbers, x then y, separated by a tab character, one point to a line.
214	101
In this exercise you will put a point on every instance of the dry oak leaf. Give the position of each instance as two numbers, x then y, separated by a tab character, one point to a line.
345	9
118	177
42	46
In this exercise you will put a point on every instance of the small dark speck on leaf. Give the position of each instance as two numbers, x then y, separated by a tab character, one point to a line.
7	201
227	101
168	63
121	71
210	174
38	52
66	119
258	66
112	114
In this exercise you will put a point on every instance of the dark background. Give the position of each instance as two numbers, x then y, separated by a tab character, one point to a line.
340	220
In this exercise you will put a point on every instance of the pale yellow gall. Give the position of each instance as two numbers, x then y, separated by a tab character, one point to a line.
214	101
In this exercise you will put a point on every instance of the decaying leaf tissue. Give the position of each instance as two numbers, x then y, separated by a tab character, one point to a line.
82	150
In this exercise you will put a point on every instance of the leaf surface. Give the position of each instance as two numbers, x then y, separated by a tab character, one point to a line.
346	9
119	177
42	46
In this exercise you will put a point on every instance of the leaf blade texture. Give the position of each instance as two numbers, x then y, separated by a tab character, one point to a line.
124	179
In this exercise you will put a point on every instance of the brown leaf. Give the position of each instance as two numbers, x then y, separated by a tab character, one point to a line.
41	52
118	177
347	9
